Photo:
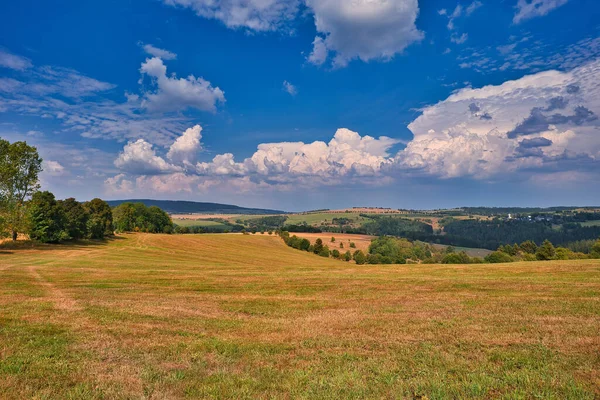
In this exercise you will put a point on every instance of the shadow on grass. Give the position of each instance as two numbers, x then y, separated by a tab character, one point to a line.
68	245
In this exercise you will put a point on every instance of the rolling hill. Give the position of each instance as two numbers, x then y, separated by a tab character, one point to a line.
194	207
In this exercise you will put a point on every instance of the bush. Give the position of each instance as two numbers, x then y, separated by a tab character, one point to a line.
359	257
324	252
352	245
348	256
456	258
498	257
546	251
335	253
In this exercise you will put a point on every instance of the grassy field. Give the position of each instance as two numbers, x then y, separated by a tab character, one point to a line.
591	223
198	222
234	316
317	218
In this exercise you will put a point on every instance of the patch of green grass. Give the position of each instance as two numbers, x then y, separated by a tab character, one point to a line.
198	222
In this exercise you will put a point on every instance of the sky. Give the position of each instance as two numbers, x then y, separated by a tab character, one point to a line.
306	104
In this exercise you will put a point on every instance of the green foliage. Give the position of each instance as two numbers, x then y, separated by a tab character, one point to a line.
528	247
318	246
100	221
394	226
352	245
546	251
347	256
76	218
595	250
359	257
498	257
332	239
324	252
20	165
457	258
47	219
335	253
389	250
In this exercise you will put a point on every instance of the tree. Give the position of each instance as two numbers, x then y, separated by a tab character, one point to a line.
20	165
47	219
595	250
318	247
100	222
304	244
335	253
528	247
359	257
76	218
352	245
324	252
546	251
498	257
332	239
348	256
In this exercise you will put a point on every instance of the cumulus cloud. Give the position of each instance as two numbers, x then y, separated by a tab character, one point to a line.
527	9
160	53
172	93
291	89
364	29
140	158
53	168
185	149
13	61
254	15
533	121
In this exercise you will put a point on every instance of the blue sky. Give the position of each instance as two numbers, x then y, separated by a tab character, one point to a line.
299	104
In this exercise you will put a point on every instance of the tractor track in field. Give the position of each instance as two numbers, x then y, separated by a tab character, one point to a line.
59	298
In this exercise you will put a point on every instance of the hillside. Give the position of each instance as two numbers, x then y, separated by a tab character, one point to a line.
193	207
244	316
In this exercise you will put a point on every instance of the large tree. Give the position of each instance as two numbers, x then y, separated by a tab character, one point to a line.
100	221
47	218
76	218
20	165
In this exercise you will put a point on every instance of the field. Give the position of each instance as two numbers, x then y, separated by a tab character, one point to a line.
244	316
362	242
591	223
198	222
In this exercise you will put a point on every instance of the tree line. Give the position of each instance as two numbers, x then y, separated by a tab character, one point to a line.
24	209
392	250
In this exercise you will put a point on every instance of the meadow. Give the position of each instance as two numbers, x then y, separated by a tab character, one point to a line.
245	316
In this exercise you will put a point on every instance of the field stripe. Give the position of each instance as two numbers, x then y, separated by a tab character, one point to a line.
59	298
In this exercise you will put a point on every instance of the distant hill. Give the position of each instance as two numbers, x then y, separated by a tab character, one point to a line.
194	207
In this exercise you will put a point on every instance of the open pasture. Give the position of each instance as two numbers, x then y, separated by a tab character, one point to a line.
244	316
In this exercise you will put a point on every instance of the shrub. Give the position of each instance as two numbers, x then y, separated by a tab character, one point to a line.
546	251
359	257
332	239
324	252
352	245
335	253
318	246
498	257
348	256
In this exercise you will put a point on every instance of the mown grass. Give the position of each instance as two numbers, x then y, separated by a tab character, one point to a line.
198	222
233	316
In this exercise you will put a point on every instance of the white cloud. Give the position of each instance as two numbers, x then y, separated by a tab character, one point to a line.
363	29
548	118
319	53
13	61
527	9
459	39
160	53
140	158
53	168
185	149
254	15
291	89
118	185
172	93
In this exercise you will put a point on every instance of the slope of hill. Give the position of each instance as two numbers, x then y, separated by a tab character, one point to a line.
194	207
244	316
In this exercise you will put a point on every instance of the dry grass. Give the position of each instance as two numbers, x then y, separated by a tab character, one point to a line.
362	242
234	316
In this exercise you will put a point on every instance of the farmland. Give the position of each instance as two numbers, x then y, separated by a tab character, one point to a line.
244	316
